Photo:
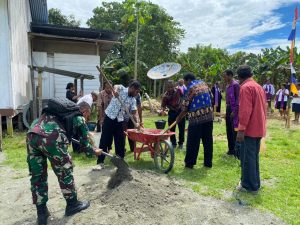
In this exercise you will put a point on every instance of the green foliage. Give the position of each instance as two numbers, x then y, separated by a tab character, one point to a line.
205	62
56	17
159	37
208	63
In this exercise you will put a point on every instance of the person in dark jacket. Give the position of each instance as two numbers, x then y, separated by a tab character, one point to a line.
70	94
217	97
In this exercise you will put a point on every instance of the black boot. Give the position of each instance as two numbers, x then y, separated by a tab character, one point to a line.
74	206
43	214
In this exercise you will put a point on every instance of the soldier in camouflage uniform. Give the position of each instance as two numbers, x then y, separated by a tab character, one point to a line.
47	139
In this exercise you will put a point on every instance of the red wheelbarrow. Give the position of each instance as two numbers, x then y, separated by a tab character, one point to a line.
157	143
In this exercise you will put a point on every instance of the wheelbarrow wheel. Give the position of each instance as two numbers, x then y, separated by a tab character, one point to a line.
164	156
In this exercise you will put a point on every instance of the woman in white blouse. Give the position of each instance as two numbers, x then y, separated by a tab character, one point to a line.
282	99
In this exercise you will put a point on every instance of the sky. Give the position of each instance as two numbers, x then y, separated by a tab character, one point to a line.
235	25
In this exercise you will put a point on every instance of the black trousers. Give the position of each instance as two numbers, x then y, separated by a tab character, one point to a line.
112	129
231	134
172	115
195	134
129	125
250	178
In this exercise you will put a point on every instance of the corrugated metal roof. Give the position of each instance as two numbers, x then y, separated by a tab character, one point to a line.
39	11
74	32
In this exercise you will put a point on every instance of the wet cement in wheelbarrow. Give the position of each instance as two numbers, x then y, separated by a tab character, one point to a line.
148	199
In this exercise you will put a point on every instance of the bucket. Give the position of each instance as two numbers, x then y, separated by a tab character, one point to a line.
96	138
160	124
92	126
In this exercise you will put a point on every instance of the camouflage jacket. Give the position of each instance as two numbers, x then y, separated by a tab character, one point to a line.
49	127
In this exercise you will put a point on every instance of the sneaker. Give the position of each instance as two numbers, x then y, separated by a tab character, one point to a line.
98	167
240	188
180	147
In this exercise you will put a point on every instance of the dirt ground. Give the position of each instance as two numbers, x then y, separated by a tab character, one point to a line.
148	199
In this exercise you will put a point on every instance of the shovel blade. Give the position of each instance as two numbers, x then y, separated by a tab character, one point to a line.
119	163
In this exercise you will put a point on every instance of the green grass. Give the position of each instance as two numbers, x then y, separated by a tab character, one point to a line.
280	168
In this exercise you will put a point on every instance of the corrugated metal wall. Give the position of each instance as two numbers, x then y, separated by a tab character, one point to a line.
20	52
77	63
5	81
55	85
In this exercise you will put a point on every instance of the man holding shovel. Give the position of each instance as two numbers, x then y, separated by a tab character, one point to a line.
114	118
197	105
47	138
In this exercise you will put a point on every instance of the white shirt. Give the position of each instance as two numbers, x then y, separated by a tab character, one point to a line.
115	110
296	100
280	93
87	98
269	89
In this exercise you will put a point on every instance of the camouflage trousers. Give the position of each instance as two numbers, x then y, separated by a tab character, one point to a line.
39	150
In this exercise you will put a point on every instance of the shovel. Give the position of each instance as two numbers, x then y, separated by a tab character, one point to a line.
136	125
116	160
172	125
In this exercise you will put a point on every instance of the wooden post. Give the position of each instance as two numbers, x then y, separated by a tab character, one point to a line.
75	84
9	124
154	91
20	121
40	94
34	100
81	84
1	147
159	88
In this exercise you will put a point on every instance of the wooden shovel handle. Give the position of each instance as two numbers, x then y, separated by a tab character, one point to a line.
122	104
170	127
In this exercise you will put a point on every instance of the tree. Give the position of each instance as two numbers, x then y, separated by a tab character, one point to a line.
56	17
158	39
205	62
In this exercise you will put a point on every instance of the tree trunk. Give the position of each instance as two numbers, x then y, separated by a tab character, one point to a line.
136	46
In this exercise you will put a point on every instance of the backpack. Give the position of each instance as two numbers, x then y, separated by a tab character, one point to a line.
64	111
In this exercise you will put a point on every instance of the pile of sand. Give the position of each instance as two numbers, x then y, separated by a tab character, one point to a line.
148	198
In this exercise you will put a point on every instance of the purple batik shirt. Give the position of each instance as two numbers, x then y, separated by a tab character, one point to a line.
232	100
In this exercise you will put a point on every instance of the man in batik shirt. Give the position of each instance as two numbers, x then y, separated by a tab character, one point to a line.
197	104
114	119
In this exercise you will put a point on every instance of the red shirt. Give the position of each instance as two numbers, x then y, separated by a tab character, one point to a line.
252	109
172	100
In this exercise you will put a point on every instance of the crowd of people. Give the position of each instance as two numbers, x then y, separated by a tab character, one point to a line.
119	108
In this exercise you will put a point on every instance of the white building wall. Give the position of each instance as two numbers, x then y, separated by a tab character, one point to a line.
19	21
5	81
77	63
